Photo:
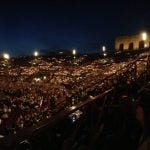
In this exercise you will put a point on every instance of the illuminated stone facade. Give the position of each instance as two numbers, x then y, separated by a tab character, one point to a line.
134	42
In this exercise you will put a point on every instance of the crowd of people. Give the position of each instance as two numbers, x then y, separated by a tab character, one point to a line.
34	92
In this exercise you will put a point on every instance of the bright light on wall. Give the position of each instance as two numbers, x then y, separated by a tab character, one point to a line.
144	36
145	45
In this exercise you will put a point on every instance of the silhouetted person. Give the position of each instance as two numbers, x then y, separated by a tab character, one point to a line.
143	116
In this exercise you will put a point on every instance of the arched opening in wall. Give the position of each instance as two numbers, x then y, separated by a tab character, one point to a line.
141	44
131	46
121	47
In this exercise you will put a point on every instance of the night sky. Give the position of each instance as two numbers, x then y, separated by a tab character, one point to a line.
83	25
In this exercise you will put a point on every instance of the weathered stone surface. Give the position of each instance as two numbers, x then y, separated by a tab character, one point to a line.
133	42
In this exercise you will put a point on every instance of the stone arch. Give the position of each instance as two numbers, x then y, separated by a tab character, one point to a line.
141	44
131	46
121	47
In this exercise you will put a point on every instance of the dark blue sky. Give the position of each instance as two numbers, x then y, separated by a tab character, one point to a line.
80	24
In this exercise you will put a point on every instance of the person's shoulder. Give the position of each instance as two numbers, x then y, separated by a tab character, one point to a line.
145	145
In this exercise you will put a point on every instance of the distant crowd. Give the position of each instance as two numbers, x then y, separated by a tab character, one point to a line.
29	94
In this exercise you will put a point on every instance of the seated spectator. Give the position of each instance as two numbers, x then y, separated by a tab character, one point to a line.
143	116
